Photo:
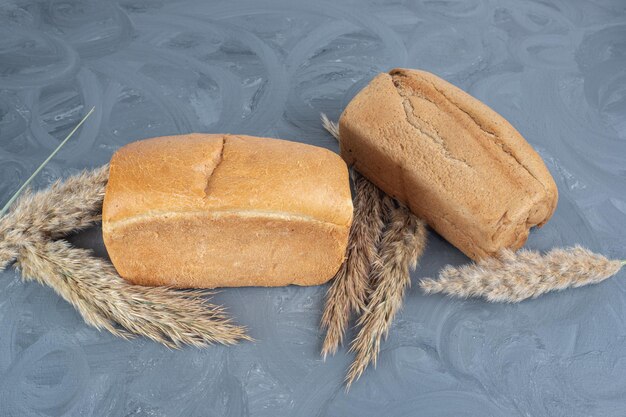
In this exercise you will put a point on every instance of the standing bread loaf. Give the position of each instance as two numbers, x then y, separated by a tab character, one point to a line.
454	161
209	211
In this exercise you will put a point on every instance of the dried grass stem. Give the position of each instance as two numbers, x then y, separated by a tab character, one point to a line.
105	300
348	291
401	246
516	276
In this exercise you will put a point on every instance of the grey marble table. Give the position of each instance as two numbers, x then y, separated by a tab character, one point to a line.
555	68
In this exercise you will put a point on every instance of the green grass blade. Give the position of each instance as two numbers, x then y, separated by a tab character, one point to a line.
43	164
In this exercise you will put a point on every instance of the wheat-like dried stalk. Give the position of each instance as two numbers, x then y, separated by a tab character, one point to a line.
349	289
36	215
401	246
330	126
64	207
105	300
10	242
516	276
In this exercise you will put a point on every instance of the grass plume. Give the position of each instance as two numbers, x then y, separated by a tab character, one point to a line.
106	301
348	291
516	276
330	126
66	206
401	246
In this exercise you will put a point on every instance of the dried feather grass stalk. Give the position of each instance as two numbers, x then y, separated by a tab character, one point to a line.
401	246
330	126
39	214
105	300
349	289
91	285
515	276
64	207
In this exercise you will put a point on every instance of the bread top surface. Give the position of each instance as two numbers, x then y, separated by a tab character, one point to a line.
226	174
481	163
484	122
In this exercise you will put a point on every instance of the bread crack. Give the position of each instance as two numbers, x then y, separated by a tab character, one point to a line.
216	163
497	140
416	122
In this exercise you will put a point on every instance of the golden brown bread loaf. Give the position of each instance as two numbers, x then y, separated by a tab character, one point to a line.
208	211
454	161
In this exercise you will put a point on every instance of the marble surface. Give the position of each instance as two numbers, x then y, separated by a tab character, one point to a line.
555	68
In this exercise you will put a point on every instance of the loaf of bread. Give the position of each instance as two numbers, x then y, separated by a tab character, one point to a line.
454	161
209	211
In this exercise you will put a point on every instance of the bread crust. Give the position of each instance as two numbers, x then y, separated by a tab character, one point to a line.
210	211
454	161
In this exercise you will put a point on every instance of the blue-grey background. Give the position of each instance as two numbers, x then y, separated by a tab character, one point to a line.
555	69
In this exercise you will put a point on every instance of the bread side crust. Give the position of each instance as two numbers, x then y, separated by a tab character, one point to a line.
204	250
